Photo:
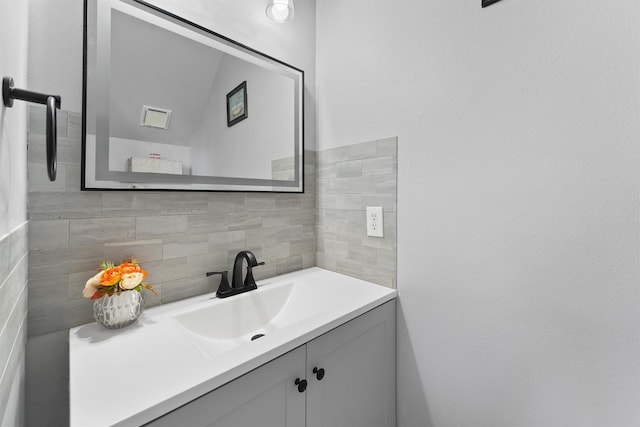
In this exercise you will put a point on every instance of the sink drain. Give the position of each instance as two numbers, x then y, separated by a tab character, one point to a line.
256	336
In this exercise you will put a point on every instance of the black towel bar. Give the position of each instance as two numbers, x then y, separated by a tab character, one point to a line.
9	93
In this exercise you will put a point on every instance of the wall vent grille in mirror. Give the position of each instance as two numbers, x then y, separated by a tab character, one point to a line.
170	105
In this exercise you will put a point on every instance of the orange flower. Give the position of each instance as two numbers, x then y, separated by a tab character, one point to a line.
113	279
129	267
111	276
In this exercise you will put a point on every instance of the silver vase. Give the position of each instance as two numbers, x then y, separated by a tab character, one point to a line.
118	310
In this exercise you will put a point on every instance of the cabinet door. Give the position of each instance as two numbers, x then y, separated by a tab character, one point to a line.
266	396
358	387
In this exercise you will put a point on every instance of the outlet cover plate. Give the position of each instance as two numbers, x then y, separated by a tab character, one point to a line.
375	224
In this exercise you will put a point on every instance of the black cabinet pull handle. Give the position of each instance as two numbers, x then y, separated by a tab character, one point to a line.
302	385
319	373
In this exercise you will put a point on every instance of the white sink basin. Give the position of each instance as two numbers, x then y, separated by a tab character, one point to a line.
241	317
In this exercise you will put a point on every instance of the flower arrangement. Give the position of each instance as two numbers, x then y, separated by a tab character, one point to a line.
114	279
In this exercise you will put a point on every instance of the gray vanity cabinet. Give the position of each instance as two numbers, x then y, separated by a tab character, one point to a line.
358	388
350	382
263	397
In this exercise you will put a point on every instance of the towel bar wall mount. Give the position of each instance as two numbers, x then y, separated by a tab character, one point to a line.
10	92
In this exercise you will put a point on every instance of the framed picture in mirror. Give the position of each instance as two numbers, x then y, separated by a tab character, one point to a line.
237	104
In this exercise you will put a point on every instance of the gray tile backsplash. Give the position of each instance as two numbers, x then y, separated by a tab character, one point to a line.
349	179
177	236
13	309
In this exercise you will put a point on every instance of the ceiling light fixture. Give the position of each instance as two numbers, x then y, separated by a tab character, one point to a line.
280	10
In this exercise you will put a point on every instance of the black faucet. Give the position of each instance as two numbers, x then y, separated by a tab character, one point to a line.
238	286
237	270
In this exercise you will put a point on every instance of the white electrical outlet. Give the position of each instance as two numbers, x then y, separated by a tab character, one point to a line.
375	225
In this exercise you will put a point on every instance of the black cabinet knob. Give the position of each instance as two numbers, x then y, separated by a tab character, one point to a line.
319	373
302	385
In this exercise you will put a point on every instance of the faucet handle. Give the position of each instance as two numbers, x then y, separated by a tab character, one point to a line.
224	281
249	280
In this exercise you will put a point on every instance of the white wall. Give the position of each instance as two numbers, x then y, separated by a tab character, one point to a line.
13	121
518	130
55	50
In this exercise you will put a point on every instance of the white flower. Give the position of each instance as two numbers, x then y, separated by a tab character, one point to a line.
131	280
91	286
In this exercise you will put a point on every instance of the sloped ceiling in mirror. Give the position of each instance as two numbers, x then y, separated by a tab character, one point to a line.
184	69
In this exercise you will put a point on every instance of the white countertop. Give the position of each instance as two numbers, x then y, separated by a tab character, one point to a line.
130	376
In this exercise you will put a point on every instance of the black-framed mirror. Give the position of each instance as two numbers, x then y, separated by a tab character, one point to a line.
170	105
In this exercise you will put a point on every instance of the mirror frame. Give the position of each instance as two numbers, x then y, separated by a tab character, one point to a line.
96	176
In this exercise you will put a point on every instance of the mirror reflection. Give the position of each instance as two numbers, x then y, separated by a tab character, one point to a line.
170	105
